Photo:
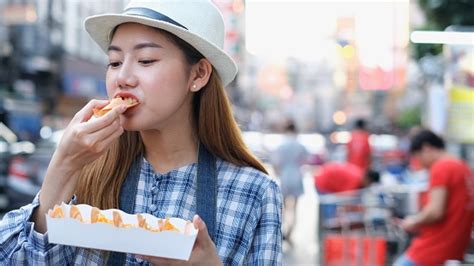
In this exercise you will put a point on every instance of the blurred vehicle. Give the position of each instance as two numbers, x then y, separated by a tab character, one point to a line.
4	161
9	147
27	170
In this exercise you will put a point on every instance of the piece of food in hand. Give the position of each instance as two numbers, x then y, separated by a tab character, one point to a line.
129	102
75	213
56	212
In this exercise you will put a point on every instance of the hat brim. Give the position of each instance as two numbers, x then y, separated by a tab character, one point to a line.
100	26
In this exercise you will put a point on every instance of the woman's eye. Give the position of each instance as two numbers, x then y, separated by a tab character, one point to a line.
147	62
113	64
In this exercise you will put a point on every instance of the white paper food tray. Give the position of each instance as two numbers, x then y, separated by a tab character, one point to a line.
134	240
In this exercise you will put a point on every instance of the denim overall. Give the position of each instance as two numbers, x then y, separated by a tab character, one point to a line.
206	194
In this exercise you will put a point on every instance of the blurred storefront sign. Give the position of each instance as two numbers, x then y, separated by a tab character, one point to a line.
15	14
24	117
82	85
382	53
461	114
83	79
39	63
459	81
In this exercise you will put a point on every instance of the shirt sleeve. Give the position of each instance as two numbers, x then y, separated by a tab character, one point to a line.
22	245
439	175
266	245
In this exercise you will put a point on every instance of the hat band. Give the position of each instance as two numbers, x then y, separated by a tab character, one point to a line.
146	12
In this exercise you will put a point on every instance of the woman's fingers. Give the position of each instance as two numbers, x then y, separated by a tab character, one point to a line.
98	140
105	143
86	112
82	140
103	121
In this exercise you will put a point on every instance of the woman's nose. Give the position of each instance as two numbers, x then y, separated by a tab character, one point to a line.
126	77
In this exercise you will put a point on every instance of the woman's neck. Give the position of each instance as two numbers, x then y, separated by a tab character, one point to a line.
169	149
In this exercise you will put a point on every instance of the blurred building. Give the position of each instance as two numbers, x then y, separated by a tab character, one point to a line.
83	63
48	63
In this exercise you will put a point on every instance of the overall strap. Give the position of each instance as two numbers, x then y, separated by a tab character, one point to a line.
128	194
206	191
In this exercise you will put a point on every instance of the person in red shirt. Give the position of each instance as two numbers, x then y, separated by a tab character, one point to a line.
358	148
340	177
443	225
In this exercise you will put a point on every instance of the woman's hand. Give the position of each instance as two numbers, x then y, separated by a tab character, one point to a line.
204	251
83	141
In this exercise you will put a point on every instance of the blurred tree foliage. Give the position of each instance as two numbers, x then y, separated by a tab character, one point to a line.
409	117
441	14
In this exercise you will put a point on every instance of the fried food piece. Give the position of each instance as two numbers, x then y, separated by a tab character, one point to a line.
129	102
117	219
56	212
166	225
118	222
98	217
75	213
143	224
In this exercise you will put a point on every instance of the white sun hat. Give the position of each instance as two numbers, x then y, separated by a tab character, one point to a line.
197	22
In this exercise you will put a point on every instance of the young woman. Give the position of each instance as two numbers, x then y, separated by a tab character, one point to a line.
177	153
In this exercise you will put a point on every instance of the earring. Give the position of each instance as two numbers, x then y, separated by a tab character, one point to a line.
194	86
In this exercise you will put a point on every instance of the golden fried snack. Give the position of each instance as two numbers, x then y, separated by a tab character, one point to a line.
117	219
56	212
129	102
95	212
142	222
74	213
98	217
118	222
166	225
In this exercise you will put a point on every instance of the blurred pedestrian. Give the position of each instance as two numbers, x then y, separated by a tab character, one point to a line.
288	160
178	153
359	151
338	177
443	225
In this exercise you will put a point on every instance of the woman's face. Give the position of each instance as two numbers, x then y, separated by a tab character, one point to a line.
145	65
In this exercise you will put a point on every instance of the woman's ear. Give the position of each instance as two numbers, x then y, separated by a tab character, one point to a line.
200	73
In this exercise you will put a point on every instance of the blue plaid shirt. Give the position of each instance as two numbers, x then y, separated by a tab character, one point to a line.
248	222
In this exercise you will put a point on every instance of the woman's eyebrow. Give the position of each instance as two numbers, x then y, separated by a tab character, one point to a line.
114	48
136	47
147	45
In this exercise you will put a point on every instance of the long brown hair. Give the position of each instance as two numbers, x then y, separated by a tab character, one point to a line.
100	182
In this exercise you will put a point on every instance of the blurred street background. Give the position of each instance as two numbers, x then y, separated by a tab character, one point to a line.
398	64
